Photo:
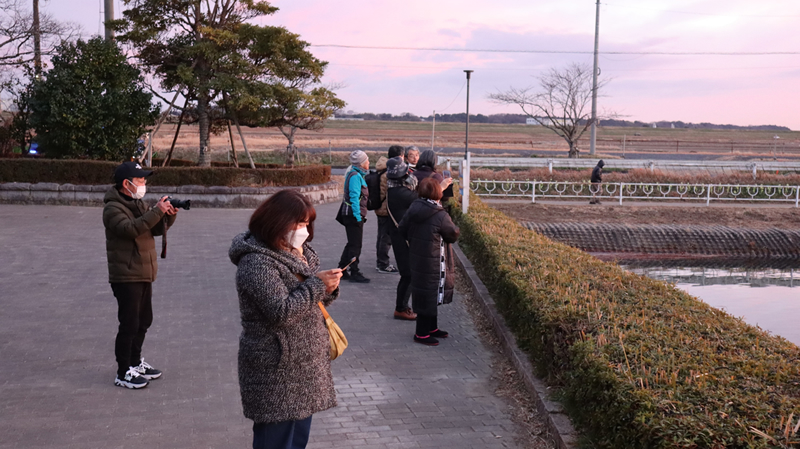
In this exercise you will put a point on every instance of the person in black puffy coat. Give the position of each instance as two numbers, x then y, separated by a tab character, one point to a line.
401	192
429	232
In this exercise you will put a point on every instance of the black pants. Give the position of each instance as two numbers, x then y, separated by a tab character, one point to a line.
426	324
401	256
355	236
135	316
282	435
383	242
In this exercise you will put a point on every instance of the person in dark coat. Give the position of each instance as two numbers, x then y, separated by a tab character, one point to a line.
401	192
597	179
132	266
429	232
426	167
284	348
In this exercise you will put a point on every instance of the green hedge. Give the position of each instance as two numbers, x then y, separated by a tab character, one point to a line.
99	172
640	364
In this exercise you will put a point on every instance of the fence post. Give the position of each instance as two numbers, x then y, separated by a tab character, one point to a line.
621	186
652	166
708	195
465	187
550	165
624	139
797	197
533	198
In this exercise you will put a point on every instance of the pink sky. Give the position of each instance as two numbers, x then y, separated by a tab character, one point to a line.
741	90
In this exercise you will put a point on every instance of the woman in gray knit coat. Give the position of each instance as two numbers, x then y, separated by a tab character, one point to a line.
284	349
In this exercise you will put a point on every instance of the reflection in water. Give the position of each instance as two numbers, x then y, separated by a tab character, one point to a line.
721	276
774	304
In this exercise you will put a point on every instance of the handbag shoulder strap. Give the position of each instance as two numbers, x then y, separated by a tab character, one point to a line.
324	312
347	186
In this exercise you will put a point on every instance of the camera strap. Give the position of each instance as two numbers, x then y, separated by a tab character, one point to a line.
164	239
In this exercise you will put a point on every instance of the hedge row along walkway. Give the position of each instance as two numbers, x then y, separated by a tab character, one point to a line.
58	321
641	363
721	241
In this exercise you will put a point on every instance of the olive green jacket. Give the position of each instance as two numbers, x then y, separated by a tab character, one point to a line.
130	246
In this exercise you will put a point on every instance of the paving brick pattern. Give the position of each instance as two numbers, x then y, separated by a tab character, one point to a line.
720	241
58	321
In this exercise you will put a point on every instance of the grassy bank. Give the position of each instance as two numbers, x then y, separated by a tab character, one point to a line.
640	364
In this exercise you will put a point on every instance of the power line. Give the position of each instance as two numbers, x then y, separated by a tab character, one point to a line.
567	52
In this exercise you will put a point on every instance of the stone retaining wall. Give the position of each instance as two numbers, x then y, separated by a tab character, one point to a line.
201	196
700	241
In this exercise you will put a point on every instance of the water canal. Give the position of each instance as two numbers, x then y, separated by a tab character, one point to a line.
764	297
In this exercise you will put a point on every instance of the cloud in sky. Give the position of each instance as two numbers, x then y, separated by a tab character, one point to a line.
721	89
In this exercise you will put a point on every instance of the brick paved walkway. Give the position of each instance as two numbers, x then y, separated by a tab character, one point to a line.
57	327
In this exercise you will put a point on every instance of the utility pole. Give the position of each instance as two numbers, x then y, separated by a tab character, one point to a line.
37	41
109	15
433	130
594	80
464	190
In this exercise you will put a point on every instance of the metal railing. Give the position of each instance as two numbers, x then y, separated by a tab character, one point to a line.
619	191
630	164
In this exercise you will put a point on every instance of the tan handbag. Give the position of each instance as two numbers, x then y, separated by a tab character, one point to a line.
338	340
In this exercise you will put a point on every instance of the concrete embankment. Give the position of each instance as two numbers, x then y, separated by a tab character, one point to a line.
685	241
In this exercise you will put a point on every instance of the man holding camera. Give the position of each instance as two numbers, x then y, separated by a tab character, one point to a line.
132	265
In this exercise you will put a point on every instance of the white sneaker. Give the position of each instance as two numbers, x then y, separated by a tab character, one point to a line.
145	370
131	379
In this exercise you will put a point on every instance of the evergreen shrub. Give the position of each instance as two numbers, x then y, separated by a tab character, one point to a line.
70	171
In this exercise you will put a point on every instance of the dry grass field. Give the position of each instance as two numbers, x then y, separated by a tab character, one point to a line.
515	139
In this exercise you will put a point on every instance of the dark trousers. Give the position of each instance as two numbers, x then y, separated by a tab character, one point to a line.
135	315
401	256
426	324
383	242
355	236
282	435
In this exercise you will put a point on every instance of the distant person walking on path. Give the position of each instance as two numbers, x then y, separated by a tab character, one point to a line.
384	241
132	266
284	348
597	179
429	232
412	157
401	192
353	214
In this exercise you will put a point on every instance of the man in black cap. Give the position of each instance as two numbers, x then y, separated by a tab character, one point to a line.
132	266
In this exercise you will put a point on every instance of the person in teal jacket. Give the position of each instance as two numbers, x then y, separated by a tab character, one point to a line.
355	196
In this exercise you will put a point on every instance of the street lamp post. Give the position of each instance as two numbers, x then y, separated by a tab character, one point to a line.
464	190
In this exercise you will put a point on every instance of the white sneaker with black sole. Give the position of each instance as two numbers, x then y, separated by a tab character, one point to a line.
145	370
131	379
389	269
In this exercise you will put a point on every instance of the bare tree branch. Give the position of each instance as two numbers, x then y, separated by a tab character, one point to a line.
16	33
560	104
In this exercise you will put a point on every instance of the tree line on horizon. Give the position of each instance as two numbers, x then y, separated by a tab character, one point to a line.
520	119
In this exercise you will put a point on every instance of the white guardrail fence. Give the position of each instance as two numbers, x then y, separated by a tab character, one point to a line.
617	191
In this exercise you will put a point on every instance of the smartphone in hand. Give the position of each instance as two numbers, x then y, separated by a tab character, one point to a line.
446	174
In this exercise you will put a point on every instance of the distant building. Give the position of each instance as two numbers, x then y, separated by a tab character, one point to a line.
333	117
653	125
540	121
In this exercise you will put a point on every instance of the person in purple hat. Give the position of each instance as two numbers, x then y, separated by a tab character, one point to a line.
132	265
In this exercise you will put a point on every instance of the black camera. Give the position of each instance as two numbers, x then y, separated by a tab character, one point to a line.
180	204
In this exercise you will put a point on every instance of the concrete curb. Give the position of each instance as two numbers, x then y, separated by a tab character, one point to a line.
558	422
201	196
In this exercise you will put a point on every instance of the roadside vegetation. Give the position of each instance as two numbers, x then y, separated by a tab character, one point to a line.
637	362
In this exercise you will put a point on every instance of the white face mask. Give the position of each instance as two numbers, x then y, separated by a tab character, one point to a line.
296	237
140	191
